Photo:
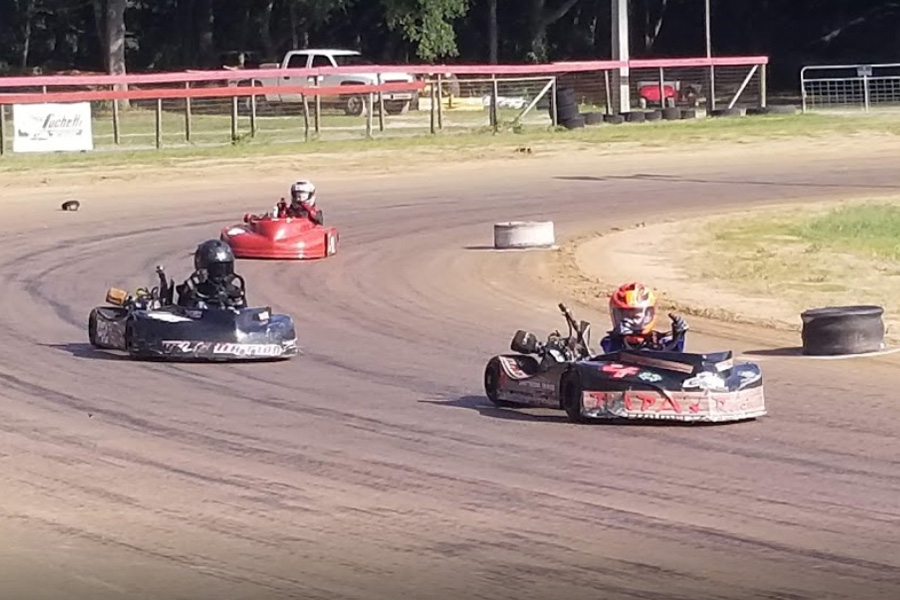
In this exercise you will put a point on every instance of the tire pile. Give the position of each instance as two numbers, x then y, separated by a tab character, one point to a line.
570	117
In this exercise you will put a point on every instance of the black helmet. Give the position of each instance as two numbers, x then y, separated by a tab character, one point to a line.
216	258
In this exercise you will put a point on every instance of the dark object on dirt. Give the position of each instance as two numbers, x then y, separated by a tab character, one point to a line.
837	330
70	205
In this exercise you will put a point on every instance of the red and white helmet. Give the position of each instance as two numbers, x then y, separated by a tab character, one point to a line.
304	191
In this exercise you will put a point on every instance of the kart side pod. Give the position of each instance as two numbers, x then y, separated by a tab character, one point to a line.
116	297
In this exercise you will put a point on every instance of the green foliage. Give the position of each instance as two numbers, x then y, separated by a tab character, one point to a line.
428	24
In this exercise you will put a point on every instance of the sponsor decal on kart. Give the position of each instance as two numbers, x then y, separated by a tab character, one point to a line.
512	368
167	317
706	381
618	371
647	361
649	376
680	406
748	377
222	348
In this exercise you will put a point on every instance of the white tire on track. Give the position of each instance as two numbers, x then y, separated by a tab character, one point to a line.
524	234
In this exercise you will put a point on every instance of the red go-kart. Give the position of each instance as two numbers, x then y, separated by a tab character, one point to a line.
265	236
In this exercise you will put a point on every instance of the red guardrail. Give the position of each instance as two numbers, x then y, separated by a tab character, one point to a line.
213	92
232	75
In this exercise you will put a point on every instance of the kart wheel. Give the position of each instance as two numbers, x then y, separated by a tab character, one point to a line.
331	244
570	397
492	383
92	329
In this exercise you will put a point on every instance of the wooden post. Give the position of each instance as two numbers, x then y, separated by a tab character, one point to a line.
370	108
158	123
2	129
440	101
253	110
187	114
234	118
662	89
495	93
305	117
433	94
380	106
116	133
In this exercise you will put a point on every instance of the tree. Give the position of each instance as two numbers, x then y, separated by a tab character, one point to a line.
428	24
541	16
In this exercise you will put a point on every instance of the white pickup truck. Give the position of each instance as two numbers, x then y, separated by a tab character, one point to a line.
394	102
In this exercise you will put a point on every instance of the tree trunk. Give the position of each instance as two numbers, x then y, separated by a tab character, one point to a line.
493	37
26	46
115	42
265	34
541	17
205	43
100	28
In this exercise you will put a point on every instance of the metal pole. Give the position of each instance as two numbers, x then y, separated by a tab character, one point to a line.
763	92
711	99
187	114
318	119
608	92
158	123
621	52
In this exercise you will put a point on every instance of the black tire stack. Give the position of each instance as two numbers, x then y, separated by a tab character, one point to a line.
567	111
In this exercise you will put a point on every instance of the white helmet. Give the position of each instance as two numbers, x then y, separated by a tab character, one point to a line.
304	191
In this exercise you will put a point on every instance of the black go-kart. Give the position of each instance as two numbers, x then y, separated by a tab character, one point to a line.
149	325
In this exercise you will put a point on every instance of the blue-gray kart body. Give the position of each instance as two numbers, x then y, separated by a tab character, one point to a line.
146	327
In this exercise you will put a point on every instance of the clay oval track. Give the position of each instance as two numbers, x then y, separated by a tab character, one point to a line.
371	466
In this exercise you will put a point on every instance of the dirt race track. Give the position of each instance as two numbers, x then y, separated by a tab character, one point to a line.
372	467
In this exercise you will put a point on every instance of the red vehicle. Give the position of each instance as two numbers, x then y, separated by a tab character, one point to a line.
265	236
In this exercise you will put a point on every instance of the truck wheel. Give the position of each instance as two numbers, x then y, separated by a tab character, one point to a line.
397	107
355	106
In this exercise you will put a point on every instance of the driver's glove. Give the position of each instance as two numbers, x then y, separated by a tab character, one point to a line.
679	325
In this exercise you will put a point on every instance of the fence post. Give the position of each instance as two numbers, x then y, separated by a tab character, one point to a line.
318	121
763	91
369	109
234	118
440	101
253	110
866	89
158	123
116	134
608	92
433	93
380	105
711	97
662	89
495	92
554	114
2	129
305	99
187	114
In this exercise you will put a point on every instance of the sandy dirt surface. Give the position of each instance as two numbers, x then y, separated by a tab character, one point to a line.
372	466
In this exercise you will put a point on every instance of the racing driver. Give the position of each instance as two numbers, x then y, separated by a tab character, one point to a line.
632	309
213	281
303	203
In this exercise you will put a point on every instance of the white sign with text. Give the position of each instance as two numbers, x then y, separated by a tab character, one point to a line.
52	127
